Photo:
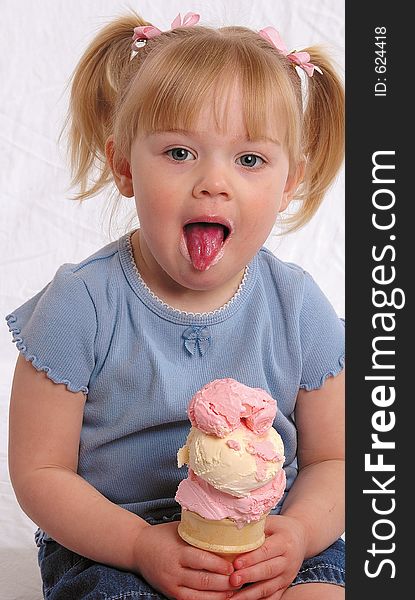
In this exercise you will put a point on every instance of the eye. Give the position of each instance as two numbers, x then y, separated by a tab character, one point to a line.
251	160
180	154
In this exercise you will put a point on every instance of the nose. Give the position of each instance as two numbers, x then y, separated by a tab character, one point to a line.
213	180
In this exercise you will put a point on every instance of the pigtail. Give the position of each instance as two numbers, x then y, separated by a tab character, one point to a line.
95	85
323	131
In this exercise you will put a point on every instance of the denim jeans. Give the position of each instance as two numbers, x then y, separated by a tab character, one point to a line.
68	576
326	567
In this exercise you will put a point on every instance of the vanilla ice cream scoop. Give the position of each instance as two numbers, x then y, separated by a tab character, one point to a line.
236	464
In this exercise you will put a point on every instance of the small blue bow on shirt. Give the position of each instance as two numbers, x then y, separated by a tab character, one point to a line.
197	337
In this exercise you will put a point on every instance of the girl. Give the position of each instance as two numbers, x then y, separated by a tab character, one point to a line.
206	129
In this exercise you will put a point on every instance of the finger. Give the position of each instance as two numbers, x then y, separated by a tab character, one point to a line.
206	561
263	553
265	589
192	594
268	569
205	581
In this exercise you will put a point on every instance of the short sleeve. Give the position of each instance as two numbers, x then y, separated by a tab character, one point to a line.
56	330
321	337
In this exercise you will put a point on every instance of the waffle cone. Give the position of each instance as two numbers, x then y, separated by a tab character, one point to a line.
222	537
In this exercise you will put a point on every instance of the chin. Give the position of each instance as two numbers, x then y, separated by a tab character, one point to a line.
200	281
216	276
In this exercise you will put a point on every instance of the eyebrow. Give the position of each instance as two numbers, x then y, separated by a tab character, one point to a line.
236	138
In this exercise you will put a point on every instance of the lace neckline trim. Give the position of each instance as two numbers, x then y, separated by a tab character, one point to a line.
177	311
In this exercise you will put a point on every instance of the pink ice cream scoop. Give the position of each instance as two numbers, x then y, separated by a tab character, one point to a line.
223	405
197	495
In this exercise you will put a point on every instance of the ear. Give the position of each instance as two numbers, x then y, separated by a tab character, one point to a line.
121	171
293	181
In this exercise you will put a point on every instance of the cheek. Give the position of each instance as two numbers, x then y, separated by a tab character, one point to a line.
260	220
258	224
265	205
154	200
273	198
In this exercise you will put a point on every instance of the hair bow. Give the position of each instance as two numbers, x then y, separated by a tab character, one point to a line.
300	59
146	32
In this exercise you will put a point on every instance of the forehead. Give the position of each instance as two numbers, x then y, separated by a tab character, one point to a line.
223	110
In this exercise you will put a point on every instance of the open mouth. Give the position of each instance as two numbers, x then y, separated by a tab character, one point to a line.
205	241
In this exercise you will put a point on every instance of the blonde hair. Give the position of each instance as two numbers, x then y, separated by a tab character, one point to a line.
163	86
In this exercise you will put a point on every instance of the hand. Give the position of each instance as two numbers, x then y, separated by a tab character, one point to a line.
178	570
272	567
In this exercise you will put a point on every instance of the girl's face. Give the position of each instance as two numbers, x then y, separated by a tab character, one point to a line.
206	200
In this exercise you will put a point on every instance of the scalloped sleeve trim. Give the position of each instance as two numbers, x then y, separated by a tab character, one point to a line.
18	339
318	383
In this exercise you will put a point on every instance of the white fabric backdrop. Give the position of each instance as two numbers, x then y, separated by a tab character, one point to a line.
42	228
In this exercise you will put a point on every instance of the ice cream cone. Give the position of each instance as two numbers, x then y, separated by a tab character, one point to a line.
222	537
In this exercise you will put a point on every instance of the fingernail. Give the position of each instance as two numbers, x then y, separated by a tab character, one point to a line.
237	580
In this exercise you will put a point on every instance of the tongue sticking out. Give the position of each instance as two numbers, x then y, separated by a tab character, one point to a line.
204	242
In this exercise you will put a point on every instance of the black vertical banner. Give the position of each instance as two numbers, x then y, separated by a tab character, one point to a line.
380	218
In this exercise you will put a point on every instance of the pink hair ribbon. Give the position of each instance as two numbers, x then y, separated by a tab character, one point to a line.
149	31
300	59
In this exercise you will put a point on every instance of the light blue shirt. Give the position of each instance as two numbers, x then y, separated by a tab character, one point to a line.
98	328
